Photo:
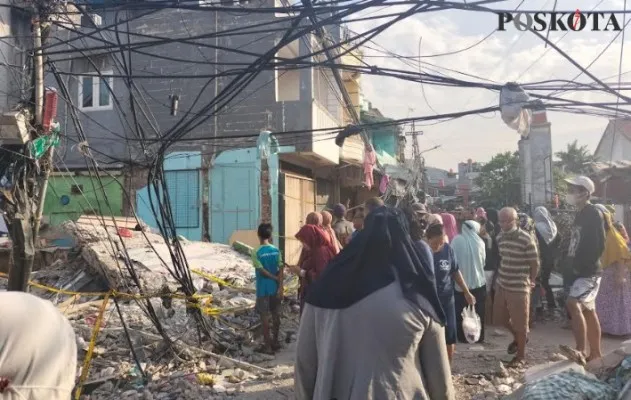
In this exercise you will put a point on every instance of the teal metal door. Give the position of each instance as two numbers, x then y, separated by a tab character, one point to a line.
183	187
234	194
185	197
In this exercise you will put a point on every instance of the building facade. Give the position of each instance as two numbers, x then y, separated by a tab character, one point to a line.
192	96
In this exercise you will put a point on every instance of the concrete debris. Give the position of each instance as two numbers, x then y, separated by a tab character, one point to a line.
106	255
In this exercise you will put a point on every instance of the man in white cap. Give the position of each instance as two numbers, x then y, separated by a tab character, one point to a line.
587	244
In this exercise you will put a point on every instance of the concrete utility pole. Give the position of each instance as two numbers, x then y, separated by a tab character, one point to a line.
29	194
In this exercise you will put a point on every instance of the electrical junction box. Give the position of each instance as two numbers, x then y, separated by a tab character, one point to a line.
13	128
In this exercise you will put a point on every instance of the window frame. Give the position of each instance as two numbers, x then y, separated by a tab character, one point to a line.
96	91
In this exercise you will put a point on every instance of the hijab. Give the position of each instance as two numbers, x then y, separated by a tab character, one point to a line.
327	220
451	227
545	225
382	253
320	251
37	366
470	253
313	236
314	218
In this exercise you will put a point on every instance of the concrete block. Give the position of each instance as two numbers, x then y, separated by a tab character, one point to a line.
541	371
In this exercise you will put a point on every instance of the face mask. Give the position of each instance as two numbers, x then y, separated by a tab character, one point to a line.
572	199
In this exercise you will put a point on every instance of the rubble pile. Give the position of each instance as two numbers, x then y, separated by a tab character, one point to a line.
558	378
191	367
191	372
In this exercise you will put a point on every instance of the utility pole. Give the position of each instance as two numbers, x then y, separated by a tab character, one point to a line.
25	205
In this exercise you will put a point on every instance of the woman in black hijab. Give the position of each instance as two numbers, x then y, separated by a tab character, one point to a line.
372	326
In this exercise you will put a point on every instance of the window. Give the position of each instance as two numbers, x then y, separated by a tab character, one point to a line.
94	93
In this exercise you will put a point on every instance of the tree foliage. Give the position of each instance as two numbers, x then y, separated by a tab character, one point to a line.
499	179
575	159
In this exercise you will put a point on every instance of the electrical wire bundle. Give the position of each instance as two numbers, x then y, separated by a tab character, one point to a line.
149	144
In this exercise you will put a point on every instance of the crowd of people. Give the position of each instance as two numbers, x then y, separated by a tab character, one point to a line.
387	287
382	297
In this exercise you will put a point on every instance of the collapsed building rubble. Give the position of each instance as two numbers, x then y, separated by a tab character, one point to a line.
189	368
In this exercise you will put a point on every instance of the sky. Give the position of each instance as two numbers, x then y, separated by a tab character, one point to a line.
505	56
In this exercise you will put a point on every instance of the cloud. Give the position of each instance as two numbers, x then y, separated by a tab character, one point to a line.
503	57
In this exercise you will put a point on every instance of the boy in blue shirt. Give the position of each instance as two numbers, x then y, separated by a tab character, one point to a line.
268	264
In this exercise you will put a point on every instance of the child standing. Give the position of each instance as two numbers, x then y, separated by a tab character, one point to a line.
268	264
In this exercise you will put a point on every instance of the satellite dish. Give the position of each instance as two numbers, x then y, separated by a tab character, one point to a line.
512	101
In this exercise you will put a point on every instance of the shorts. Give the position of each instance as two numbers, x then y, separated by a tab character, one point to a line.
585	290
267	304
512	309
449	307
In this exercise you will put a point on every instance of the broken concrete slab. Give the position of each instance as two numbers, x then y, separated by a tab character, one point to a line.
106	254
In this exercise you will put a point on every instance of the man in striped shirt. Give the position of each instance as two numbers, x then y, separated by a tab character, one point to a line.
518	269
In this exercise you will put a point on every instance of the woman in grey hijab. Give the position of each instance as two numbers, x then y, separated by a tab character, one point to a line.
372	327
38	351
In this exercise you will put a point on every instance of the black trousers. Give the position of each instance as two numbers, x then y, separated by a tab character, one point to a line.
546	270
480	304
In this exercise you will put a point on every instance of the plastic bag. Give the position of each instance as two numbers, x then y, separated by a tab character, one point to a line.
471	324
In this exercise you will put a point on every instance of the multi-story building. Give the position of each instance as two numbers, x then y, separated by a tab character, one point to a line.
190	84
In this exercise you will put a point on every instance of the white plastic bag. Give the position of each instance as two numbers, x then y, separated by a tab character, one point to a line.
471	324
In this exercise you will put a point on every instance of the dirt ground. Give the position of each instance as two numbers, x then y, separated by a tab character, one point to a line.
470	361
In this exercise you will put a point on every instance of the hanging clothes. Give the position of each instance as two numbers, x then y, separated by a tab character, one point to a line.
383	185
370	160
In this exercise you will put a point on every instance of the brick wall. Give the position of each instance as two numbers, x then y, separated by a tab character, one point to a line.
135	179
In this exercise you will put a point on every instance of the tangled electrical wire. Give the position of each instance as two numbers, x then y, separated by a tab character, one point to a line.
241	52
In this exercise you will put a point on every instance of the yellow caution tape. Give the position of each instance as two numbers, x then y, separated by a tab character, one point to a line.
88	356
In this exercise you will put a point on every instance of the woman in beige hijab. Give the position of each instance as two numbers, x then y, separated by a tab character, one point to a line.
38	355
327	220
